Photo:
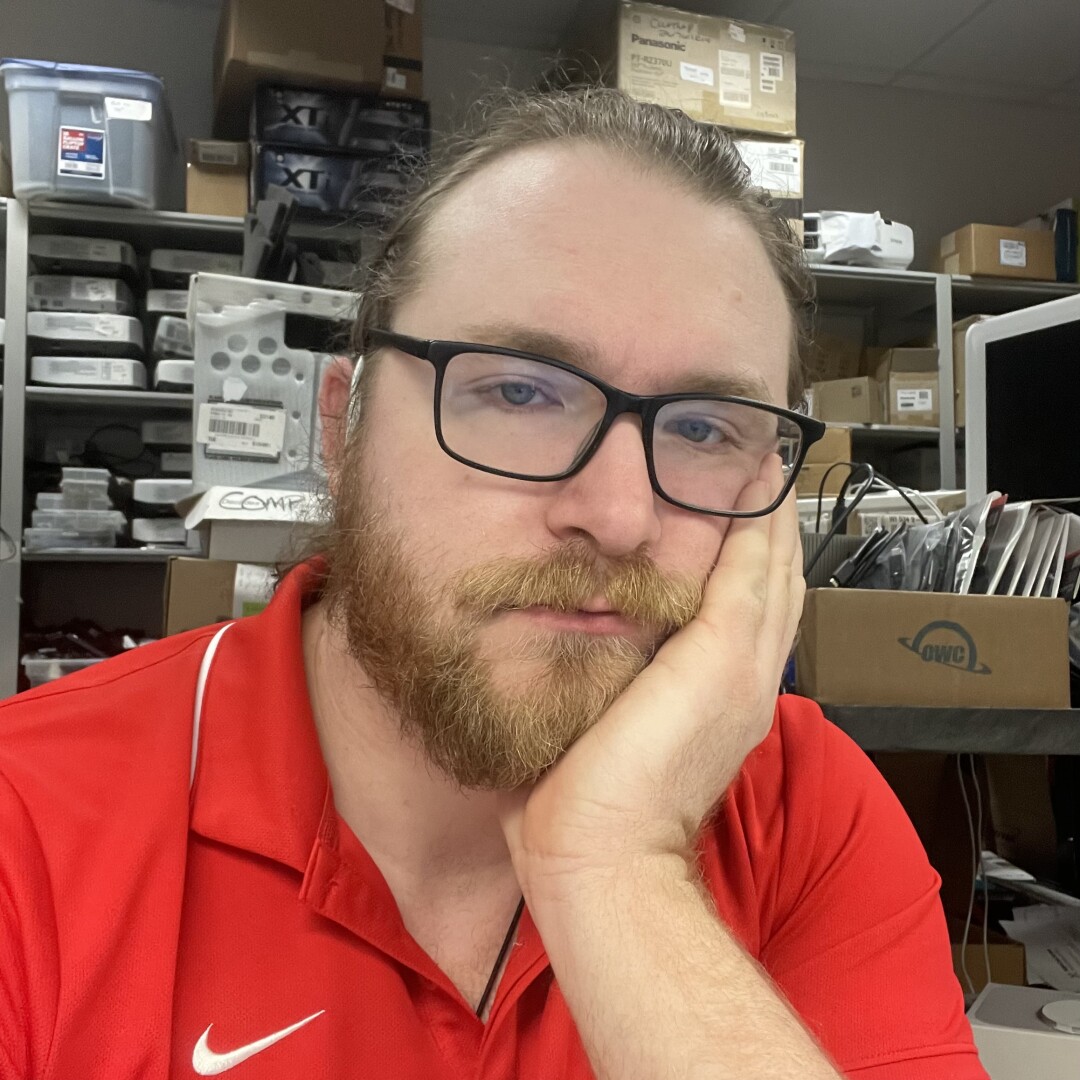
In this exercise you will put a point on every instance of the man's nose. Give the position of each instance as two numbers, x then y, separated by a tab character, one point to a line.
610	501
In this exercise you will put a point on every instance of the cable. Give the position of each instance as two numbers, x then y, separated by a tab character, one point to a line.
903	494
507	942
982	868
975	859
846	508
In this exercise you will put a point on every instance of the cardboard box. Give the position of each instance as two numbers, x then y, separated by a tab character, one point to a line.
777	166
721	71
870	647
835	445
371	45
217	177
959	356
848	401
1008	961
835	357
910	379
998	251
808	482
198	592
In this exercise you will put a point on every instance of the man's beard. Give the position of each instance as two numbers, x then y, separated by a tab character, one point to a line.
428	669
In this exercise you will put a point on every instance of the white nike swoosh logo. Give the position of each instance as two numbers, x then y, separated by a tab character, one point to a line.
206	1063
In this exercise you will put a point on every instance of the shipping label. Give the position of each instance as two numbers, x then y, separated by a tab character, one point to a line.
697	73
118	108
1012	253
81	153
248	431
915	399
735	80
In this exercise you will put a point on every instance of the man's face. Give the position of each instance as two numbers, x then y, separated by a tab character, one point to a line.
500	617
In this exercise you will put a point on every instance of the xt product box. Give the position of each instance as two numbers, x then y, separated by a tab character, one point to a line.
875	647
997	251
721	71
89	134
330	120
217	177
372	45
364	187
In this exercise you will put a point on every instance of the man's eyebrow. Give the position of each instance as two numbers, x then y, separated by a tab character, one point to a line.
584	355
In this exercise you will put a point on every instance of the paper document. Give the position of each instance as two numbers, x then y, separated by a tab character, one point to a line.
1051	939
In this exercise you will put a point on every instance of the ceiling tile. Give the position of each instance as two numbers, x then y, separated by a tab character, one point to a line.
944	84
1033	44
1066	97
523	24
871	33
845	73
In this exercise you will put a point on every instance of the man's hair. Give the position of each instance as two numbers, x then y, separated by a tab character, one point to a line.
702	158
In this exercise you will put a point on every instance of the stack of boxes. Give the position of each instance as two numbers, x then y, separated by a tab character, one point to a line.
720	71
81	515
898	387
817	474
328	94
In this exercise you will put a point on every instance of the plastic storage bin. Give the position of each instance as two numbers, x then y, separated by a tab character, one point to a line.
89	134
45	539
44	669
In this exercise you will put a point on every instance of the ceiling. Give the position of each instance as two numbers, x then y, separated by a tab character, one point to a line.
1005	50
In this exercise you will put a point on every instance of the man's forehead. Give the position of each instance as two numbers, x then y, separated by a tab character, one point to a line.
625	261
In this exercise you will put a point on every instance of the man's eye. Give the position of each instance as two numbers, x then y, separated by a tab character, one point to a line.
518	393
696	430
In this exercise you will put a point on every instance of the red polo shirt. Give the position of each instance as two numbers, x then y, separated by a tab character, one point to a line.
137	910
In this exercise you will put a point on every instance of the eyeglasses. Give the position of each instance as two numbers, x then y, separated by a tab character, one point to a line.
529	417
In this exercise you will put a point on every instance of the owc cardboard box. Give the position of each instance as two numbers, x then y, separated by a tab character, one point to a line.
997	251
719	70
873	647
372	45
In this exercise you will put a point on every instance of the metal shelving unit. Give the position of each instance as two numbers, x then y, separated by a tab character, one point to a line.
897	306
107	555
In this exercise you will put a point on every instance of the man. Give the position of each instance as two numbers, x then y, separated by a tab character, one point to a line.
498	786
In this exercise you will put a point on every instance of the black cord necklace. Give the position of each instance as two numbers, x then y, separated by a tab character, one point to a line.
507	942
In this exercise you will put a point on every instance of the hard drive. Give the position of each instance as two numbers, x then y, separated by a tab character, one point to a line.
84	255
65	333
63	292
173	269
89	372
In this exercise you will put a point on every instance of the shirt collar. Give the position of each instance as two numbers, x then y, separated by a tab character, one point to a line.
260	781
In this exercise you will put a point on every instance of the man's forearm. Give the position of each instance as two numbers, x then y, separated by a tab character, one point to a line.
658	986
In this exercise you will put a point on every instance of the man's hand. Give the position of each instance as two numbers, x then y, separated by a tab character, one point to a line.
642	780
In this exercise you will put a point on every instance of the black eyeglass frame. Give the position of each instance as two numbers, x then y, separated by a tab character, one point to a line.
439	353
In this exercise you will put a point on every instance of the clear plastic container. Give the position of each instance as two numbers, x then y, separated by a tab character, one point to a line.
93	373
93	499
44	669
84	255
85	475
79	521
161	492
38	539
66	333
63	292
166	432
89	134
172	339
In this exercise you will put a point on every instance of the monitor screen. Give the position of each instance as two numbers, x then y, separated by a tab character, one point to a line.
1033	413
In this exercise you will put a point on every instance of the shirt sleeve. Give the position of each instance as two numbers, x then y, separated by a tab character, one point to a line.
860	946
29	978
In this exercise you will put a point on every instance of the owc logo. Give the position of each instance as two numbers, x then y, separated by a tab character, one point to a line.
948	644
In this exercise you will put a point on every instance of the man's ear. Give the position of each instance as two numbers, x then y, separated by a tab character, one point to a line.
334	395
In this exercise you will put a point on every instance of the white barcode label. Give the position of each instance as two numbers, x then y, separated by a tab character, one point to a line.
697	73
775	167
217	153
253	431
735	79
394	79
736	32
772	66
1012	253
919	399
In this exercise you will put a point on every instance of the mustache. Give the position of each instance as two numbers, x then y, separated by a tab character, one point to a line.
568	577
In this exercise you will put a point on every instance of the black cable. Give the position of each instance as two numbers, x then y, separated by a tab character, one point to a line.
839	521
821	487
507	942
903	494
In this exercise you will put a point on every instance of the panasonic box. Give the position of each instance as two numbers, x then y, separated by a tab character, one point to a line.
722	71
874	647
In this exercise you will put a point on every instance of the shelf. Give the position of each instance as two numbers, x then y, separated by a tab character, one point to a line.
891	432
903	291
995	296
959	731
107	555
65	396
